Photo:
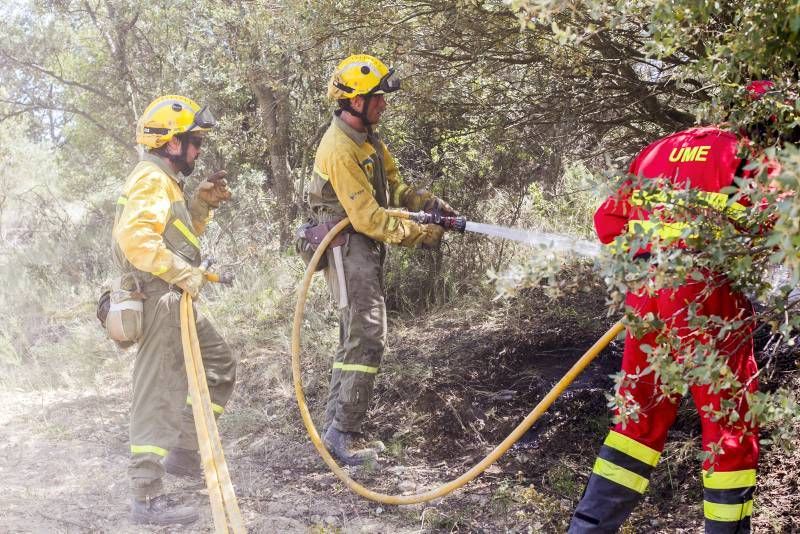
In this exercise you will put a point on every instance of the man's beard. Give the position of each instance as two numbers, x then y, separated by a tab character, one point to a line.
187	168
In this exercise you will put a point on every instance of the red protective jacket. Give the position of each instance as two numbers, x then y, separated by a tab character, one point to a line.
703	158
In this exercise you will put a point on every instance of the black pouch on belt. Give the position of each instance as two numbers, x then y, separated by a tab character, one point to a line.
103	305
309	236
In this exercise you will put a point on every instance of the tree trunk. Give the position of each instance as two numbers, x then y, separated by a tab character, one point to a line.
276	114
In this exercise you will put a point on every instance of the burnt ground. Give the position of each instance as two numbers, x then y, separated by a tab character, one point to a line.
453	385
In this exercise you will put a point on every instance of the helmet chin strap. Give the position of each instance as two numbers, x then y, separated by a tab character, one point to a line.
363	113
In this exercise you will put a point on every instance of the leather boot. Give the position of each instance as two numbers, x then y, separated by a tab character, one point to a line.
340	445
183	463
161	510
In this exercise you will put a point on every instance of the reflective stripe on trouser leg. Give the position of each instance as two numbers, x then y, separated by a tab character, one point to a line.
220	366
619	478
159	391
362	333
728	500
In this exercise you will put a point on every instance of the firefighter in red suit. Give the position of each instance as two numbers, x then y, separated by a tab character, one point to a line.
704	159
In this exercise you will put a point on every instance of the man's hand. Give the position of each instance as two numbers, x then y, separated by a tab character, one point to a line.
193	281
432	236
214	189
187	277
437	205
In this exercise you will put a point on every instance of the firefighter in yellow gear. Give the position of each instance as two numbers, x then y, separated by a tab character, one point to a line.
355	176
157	253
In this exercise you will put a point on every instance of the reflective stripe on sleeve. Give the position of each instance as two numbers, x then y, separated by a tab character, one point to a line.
187	233
148	449
321	174
640	197
620	475
715	200
355	367
664	230
727	512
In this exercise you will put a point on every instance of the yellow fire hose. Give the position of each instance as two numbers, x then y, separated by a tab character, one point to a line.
477	469
224	507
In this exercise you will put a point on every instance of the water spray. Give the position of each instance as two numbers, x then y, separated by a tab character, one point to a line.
542	239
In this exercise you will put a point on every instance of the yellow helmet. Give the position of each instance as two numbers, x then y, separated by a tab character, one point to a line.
170	115
361	74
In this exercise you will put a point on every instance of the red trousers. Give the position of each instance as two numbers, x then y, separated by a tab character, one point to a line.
739	441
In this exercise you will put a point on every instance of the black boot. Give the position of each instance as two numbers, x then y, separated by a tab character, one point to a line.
340	446
183	463
161	510
604	507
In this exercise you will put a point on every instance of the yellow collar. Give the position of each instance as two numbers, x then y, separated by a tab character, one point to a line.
358	138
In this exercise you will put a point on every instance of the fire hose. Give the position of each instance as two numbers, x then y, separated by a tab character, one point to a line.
224	506
452	223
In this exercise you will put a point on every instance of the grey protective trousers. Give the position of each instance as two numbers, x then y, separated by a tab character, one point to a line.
161	417
362	331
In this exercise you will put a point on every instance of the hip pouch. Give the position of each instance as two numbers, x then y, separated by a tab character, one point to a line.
121	310
309	236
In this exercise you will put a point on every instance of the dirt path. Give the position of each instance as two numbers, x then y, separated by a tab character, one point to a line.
62	469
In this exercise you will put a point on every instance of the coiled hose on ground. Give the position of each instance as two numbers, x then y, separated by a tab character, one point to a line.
473	472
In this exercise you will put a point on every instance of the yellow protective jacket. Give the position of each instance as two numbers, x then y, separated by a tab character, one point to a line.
356	176
155	232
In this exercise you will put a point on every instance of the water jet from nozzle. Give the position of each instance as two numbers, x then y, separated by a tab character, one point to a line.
458	223
558	242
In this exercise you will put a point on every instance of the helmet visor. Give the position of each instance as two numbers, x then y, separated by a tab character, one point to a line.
388	84
203	119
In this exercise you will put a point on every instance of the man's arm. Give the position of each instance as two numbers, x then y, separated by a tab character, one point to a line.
139	234
139	228
611	218
356	196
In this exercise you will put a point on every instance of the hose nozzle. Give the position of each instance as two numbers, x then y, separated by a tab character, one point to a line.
218	278
225	278
458	223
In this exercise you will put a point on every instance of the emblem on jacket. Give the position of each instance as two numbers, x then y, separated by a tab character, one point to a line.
369	167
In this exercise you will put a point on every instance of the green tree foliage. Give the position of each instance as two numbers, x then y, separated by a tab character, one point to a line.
486	110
